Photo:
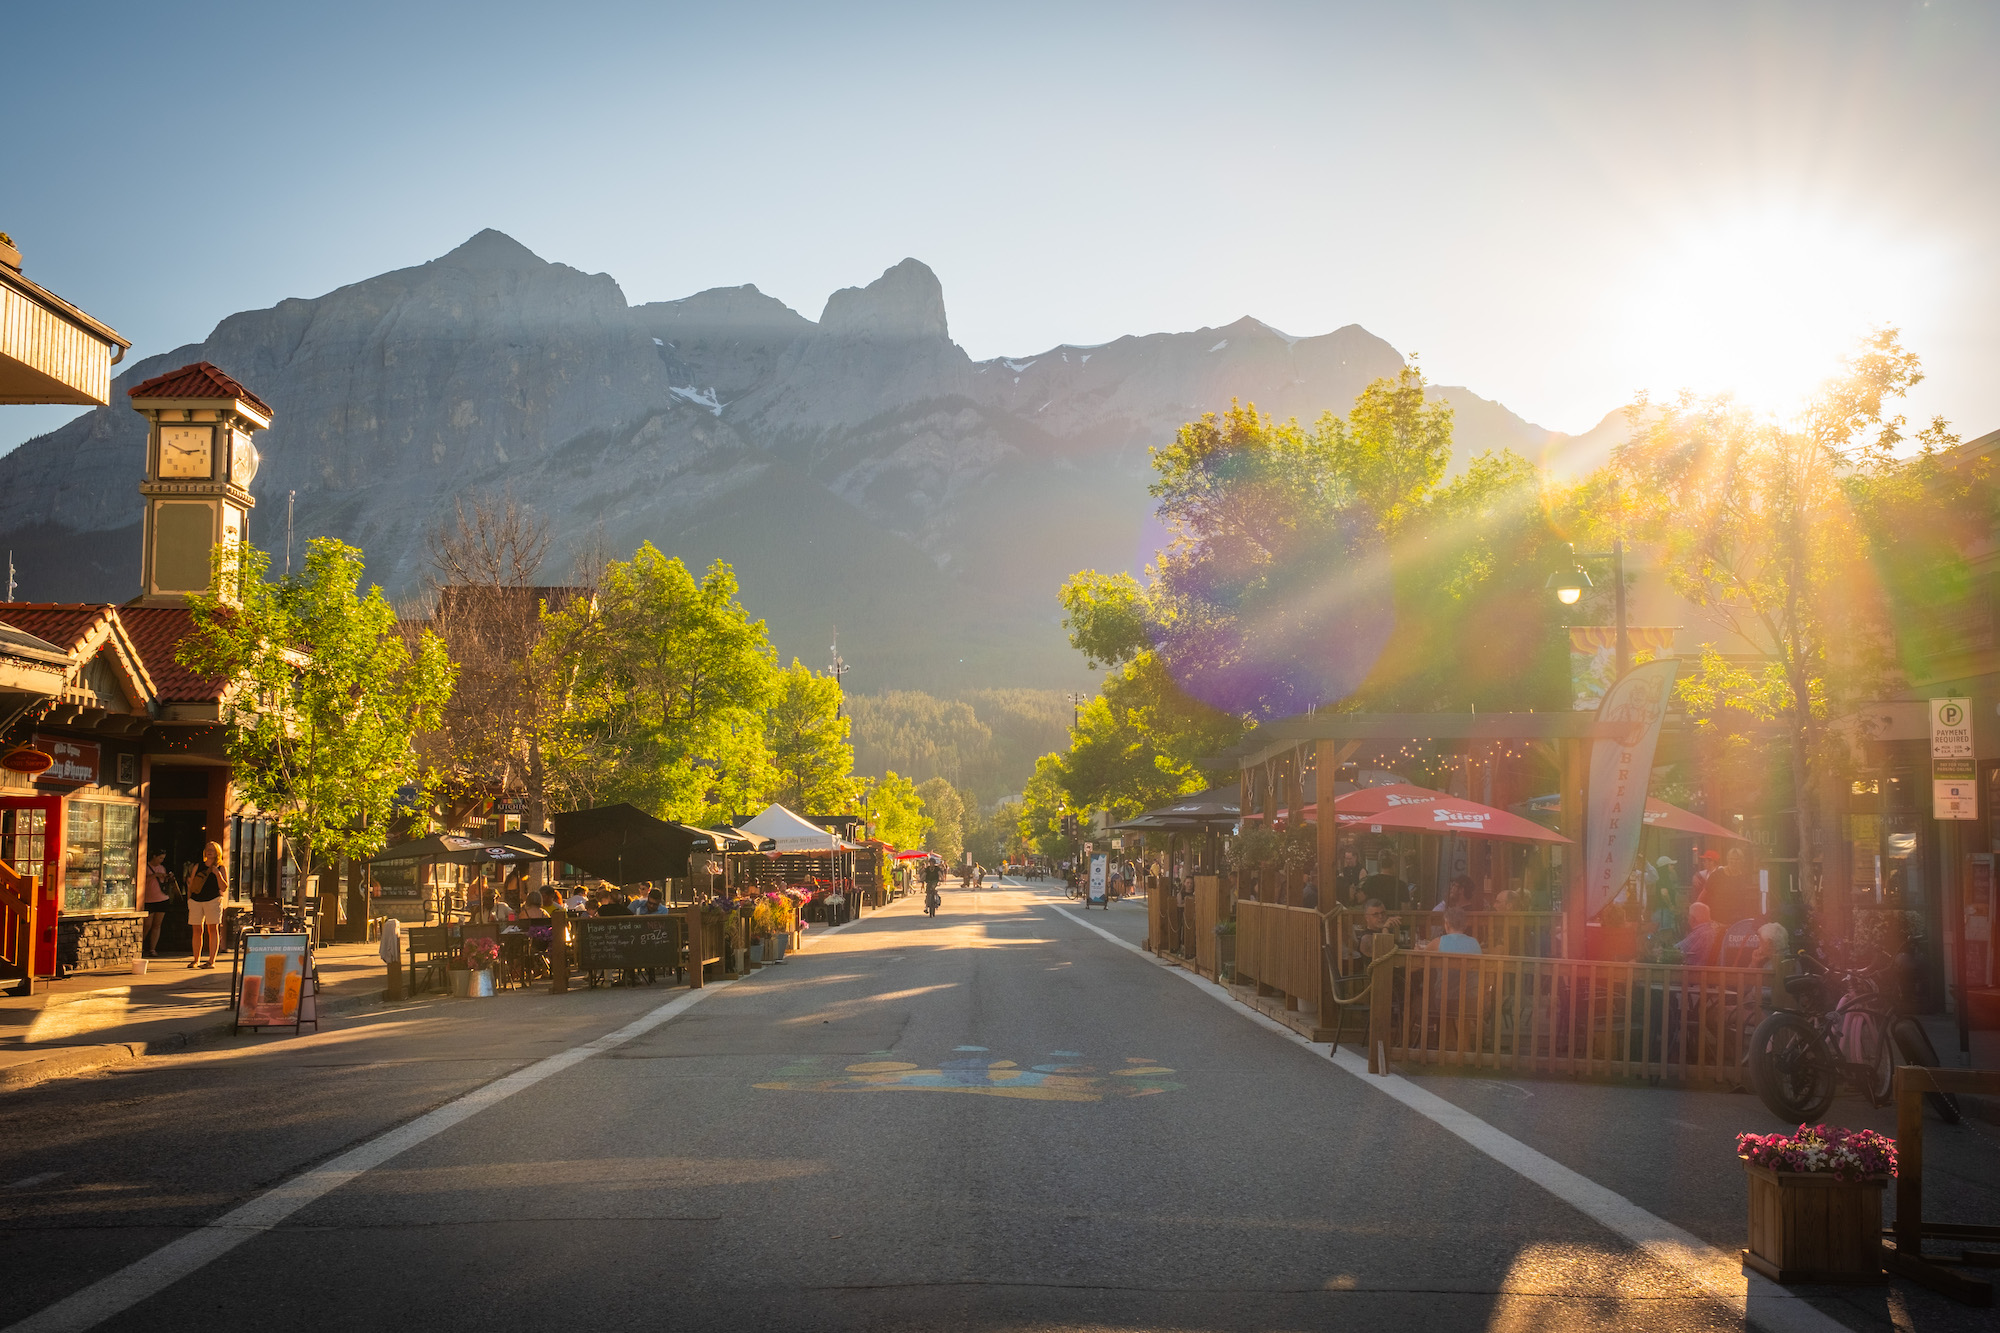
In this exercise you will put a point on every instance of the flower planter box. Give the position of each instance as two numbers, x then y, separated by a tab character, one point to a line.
1810	1227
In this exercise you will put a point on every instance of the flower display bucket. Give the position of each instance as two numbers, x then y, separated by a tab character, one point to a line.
757	954
774	949
468	985
1809	1227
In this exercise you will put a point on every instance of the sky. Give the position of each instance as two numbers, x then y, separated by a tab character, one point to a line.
1554	205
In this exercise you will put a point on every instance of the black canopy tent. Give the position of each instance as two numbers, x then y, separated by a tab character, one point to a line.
623	843
450	848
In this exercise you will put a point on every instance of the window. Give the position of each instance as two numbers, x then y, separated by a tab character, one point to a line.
23	837
100	858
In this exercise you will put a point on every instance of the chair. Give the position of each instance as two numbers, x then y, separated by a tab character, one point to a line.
431	944
1357	1001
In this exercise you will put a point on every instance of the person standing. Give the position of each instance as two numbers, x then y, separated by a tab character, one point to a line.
206	887
1731	892
159	897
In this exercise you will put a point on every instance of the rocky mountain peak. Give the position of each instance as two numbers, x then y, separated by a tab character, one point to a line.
904	304
492	249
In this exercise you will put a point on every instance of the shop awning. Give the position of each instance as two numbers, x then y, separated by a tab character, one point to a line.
1405	809
736	840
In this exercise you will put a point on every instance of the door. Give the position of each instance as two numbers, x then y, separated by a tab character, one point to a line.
31	842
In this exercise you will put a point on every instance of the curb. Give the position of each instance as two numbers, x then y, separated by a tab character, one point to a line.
65	1061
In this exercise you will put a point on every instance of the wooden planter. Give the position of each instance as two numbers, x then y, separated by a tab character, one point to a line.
1809	1227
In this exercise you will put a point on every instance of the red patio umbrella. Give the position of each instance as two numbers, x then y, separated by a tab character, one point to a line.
913	856
1660	815
1408	809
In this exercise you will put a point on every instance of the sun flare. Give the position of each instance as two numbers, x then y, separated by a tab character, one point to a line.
1764	307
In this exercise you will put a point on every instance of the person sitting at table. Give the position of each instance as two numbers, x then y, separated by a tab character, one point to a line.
612	903
656	901
1455	938
1375	921
1458	893
1704	938
531	907
1774	945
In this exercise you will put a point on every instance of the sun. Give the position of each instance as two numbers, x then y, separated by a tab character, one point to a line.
1764	306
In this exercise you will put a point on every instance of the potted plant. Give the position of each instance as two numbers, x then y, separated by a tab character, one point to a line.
1816	1203
476	977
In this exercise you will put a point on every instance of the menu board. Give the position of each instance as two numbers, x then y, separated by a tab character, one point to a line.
604	943
274	977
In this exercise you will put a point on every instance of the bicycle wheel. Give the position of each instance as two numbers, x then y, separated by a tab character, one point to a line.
1915	1045
1791	1068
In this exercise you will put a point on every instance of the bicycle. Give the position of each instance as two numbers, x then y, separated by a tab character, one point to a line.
1801	1055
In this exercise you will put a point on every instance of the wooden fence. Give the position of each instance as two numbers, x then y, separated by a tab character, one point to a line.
17	928
1566	1016
1207	916
1279	951
1514	934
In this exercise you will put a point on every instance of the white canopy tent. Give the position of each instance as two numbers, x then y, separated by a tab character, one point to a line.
791	833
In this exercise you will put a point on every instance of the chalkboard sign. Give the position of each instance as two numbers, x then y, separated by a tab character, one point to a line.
604	943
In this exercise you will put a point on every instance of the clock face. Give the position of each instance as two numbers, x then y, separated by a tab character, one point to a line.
186	451
243	459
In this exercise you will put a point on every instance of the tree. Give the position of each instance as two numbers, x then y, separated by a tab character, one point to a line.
511	724
673	678
1811	540
807	736
1044	802
1141	741
946	811
324	699
899	812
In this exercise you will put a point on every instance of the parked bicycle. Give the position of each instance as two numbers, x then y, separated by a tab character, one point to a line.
1838	1030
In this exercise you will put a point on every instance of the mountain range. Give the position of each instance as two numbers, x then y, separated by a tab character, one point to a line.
860	472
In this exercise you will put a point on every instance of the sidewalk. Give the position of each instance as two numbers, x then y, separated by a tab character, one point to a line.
92	1019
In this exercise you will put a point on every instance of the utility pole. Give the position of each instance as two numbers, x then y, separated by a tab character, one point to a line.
10	575
291	497
1076	703
838	669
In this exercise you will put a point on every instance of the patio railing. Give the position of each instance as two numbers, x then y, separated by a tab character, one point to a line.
1566	1016
1514	934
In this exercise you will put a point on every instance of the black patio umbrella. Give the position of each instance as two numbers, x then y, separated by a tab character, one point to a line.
516	847
447	847
623	843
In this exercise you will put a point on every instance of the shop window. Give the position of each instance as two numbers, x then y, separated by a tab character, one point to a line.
24	839
100	858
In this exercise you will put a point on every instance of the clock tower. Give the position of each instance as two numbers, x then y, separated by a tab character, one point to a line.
199	463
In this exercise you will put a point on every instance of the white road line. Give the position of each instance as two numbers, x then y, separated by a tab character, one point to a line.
171	1262
1763	1303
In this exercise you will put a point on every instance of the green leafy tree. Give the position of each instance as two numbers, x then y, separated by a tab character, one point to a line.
900	820
324	699
1814	541
1044	802
674	679
807	736
946	811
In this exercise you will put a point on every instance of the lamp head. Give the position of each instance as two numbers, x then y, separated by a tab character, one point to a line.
1568	585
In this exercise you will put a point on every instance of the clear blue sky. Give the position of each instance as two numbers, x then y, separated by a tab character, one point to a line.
1554	204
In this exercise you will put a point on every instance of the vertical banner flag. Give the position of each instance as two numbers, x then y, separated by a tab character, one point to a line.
1621	771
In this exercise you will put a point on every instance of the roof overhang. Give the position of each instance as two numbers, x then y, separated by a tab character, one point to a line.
50	351
1276	738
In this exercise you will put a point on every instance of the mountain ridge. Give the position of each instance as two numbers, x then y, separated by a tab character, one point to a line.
861	468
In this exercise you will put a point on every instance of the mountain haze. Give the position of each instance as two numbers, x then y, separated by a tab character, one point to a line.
858	470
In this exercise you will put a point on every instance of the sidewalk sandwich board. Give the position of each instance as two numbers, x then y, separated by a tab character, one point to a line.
273	979
1097	883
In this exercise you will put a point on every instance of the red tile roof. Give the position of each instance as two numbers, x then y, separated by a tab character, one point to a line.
156	631
64	624
200	380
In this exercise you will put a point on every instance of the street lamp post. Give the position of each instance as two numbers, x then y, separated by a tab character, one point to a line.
1568	585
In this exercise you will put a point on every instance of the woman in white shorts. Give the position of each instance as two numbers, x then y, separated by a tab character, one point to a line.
207	887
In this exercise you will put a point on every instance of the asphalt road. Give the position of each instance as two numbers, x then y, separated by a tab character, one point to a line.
994	1119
